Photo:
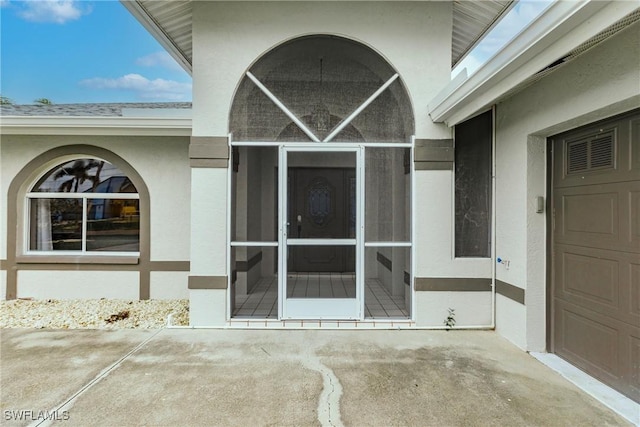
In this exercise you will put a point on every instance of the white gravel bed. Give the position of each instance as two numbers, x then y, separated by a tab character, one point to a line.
93	314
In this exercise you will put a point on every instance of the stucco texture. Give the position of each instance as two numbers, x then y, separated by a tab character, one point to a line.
229	37
599	84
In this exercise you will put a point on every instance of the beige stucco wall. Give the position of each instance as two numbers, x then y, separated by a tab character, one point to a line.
471	309
169	285
63	285
434	223
603	82
163	164
435	256
209	221
228	37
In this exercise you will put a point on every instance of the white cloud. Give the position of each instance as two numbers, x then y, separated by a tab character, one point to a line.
55	11
158	89
159	59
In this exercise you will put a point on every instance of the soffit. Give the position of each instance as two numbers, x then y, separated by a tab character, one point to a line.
562	33
170	23
471	21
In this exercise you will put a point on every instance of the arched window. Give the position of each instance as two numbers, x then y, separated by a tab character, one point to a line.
83	206
339	90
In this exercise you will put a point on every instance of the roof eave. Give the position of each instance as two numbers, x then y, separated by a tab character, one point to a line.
560	28
55	125
483	34
156	31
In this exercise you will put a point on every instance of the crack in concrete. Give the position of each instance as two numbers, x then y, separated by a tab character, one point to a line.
329	400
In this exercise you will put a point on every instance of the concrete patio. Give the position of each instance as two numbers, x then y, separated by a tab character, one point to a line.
190	377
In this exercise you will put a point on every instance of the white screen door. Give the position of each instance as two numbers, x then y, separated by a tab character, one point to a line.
321	232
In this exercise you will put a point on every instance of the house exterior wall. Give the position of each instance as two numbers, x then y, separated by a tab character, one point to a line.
228	37
162	163
435	256
601	83
3	285
169	285
64	285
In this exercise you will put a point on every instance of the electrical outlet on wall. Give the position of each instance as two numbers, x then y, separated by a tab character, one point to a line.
504	262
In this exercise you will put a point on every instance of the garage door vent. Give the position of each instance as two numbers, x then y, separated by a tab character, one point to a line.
593	152
602	152
578	156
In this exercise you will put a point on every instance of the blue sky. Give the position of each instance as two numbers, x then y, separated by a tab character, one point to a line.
77	51
522	13
83	51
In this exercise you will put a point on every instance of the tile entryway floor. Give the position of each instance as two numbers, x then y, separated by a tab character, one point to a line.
262	301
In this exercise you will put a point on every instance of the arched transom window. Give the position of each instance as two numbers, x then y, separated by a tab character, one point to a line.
84	205
322	89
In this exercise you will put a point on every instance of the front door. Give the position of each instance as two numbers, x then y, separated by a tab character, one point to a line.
322	206
321	239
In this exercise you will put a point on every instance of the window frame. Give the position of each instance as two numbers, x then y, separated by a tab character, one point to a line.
76	256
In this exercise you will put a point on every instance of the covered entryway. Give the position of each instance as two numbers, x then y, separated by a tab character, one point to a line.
321	186
595	313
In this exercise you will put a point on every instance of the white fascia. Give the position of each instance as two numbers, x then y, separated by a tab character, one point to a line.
156	31
55	125
559	29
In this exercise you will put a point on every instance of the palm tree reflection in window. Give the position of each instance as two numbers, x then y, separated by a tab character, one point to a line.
79	173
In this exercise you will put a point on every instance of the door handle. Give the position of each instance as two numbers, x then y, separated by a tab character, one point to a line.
299	225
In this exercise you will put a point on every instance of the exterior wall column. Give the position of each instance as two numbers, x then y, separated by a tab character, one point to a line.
208	278
441	280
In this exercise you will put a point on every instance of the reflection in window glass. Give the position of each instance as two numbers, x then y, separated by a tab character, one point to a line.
86	218
113	225
85	176
56	224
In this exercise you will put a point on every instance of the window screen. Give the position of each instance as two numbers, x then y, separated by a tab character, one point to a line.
322	80
473	186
